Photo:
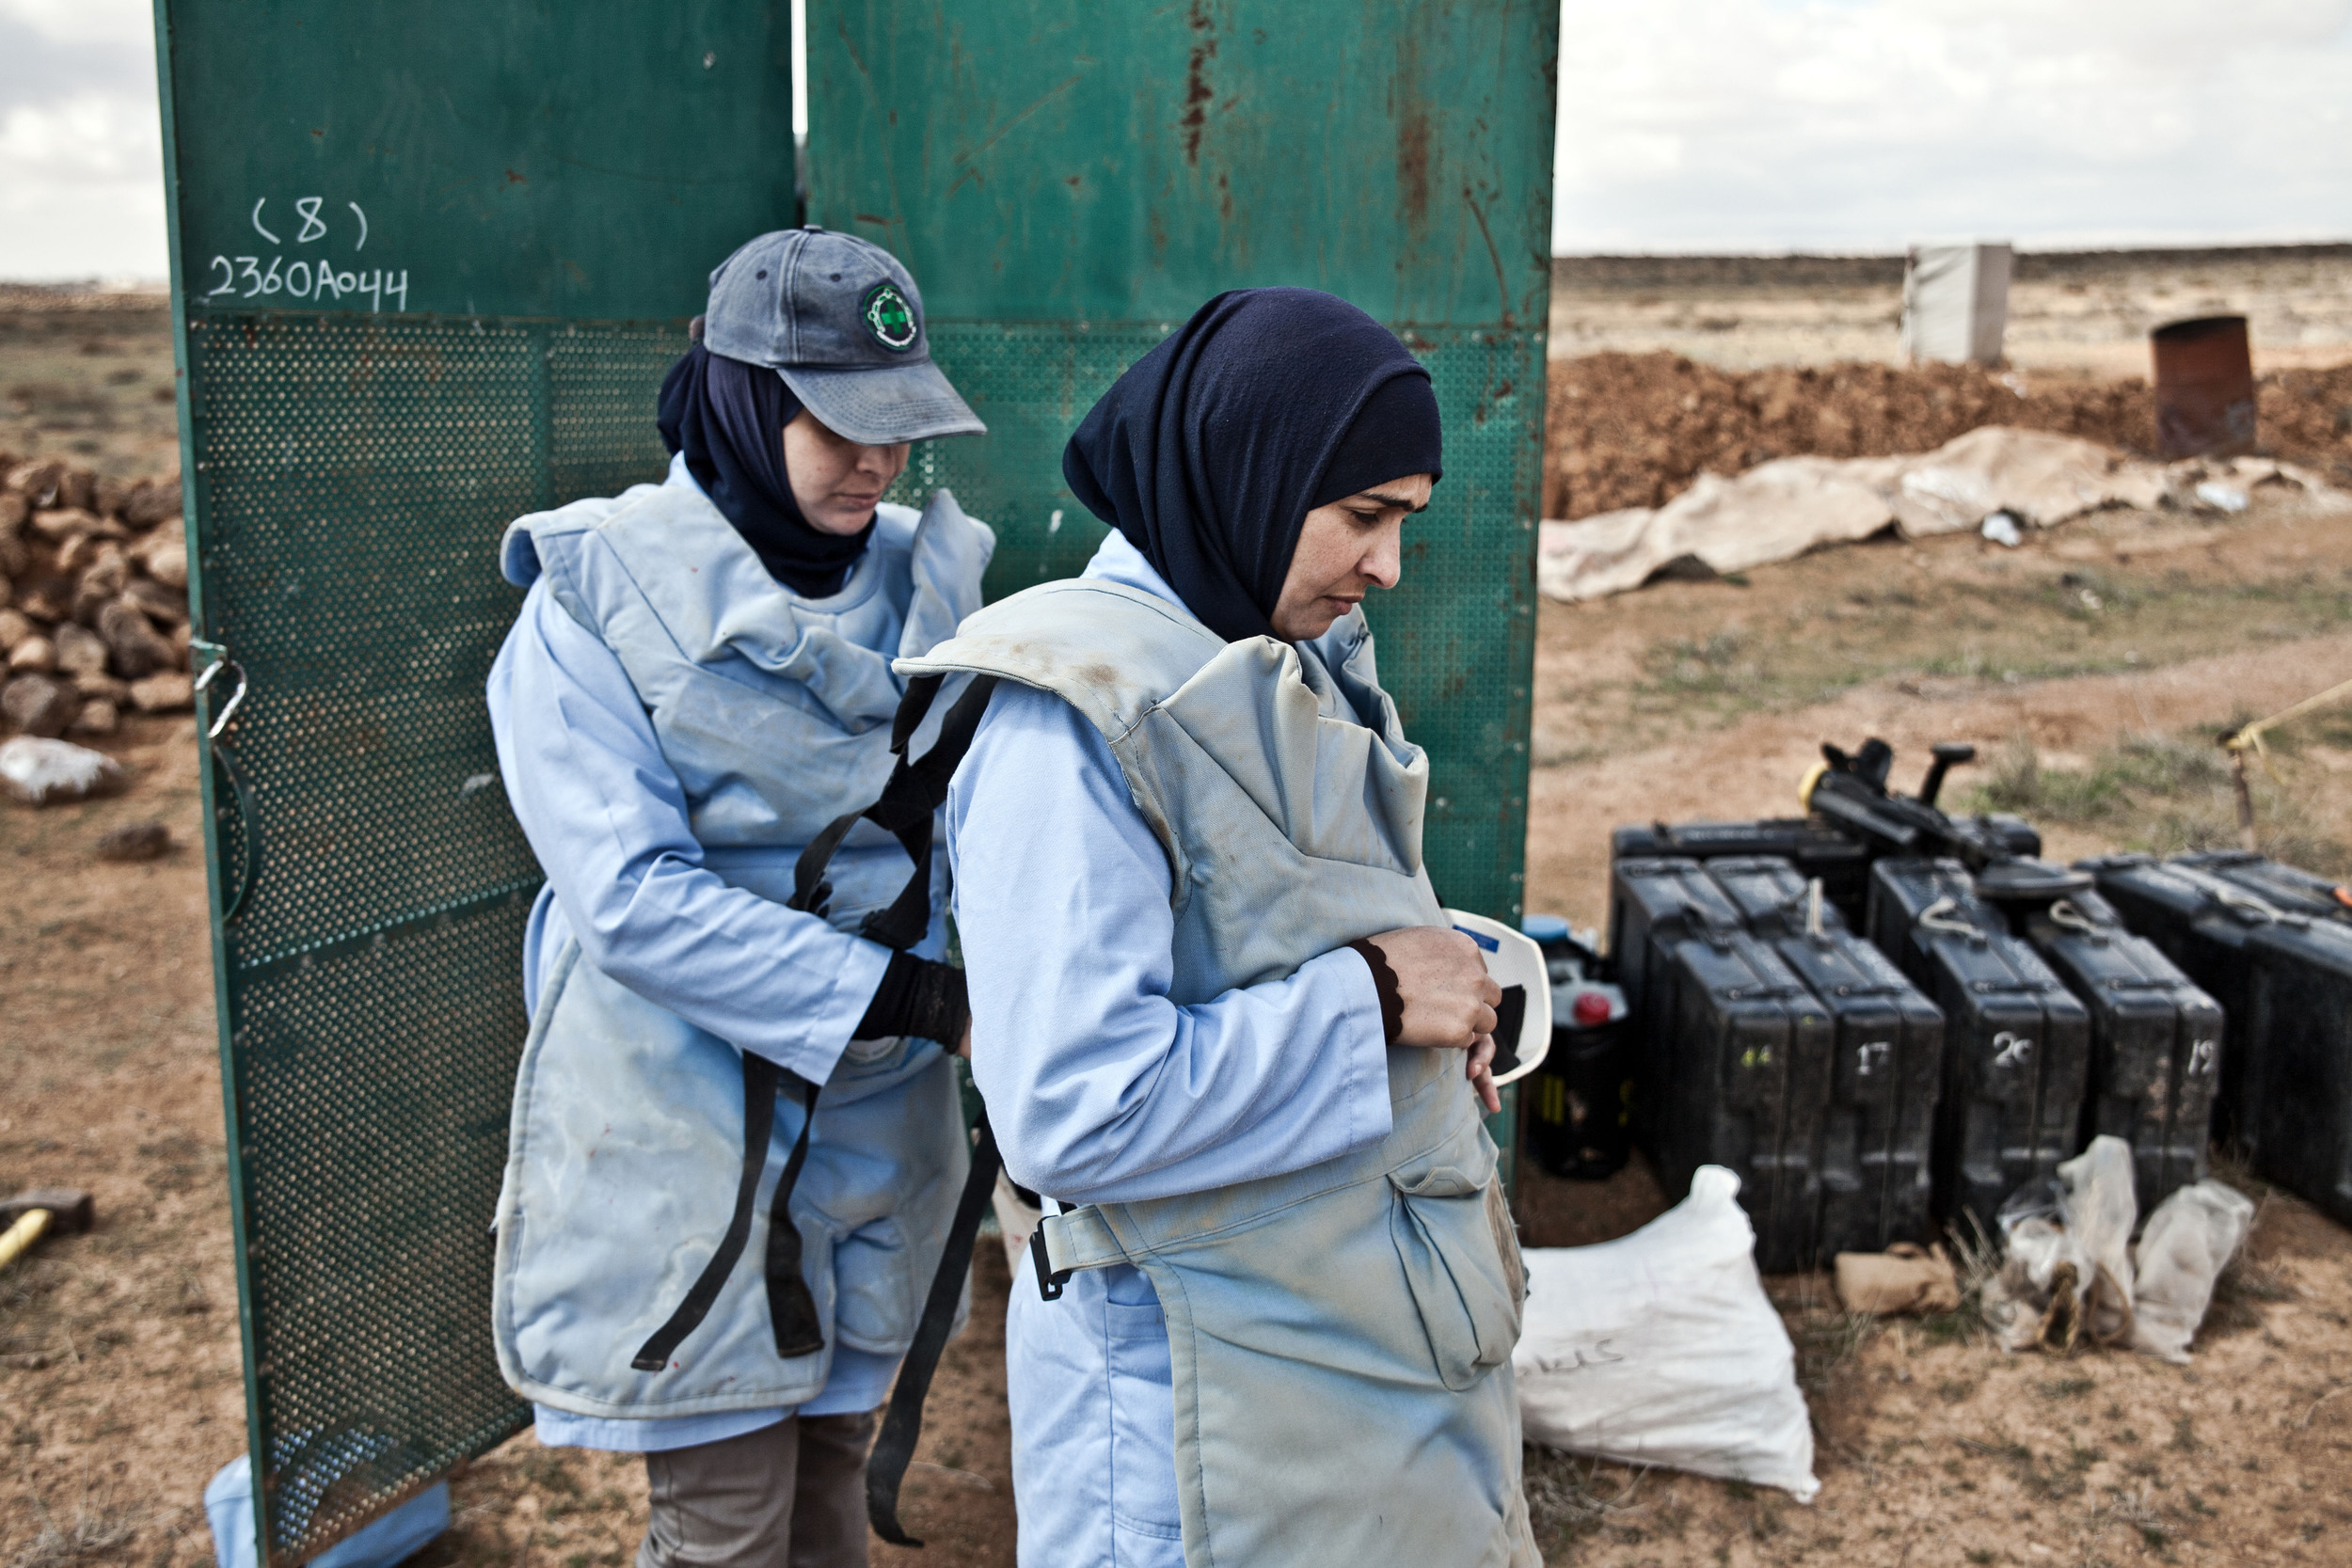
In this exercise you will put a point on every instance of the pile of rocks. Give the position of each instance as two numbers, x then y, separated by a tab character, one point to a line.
93	598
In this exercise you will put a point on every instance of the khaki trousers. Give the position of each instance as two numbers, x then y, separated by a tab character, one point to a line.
788	1495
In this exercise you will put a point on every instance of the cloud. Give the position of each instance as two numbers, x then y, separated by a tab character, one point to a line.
1684	125
81	154
1865	124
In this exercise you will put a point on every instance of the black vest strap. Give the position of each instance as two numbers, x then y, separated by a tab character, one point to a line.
915	791
912	798
902	1426
789	1306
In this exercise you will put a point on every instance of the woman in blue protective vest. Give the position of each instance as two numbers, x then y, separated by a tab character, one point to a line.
1218	1016
736	1142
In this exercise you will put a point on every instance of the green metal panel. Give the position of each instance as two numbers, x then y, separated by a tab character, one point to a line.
542	190
1068	182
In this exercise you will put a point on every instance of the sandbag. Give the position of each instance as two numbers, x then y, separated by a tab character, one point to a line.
1660	1348
2190	1238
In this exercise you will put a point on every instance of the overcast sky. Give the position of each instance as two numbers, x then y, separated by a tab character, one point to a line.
1684	125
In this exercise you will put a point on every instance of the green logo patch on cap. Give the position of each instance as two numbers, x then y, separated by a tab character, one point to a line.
889	317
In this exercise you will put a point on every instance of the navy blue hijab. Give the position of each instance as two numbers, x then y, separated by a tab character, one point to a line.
728	419
1210	450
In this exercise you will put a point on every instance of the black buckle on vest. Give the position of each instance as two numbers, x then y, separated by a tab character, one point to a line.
1049	1283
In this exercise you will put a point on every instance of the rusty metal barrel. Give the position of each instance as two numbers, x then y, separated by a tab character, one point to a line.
2205	375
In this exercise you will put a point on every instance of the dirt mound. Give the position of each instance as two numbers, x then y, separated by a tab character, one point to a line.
1636	429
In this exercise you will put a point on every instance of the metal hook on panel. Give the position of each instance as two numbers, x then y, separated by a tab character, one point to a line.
229	709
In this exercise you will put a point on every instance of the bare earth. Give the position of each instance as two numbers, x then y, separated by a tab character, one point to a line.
120	1390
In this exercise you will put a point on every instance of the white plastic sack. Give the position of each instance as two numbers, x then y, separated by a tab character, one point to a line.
39	771
1660	1348
2190	1238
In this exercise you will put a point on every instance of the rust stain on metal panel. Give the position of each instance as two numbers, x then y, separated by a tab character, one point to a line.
1412	160
1503	283
1198	94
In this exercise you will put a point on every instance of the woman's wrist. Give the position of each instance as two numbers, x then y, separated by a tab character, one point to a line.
1384	983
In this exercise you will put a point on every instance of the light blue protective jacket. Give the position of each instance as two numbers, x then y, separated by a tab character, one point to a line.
771	713
1339	1335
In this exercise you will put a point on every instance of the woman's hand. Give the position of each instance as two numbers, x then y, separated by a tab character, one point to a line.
1449	999
1482	1074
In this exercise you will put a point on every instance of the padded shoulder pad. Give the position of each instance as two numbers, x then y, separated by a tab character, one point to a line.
523	552
1109	651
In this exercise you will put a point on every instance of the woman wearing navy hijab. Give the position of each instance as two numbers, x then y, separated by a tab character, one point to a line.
1219	1019
737	1139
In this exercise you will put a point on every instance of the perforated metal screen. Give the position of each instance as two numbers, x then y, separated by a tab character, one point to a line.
430	263
353	476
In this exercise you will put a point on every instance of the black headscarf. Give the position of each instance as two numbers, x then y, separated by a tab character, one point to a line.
728	419
1210	450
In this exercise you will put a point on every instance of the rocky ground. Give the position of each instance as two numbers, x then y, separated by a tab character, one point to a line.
2091	664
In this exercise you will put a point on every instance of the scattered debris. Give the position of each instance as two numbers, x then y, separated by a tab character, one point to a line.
2068	1270
2221	497
137	841
37	770
1902	1280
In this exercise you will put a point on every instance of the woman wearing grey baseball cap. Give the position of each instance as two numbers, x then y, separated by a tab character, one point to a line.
692	1263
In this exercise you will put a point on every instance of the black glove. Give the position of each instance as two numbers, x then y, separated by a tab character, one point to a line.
916	997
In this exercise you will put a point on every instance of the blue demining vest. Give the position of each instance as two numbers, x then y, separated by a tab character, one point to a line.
1340	1337
774	711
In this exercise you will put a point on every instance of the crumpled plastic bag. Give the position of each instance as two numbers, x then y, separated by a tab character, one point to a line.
1899	1280
2190	1238
1660	1348
2067	1268
38	772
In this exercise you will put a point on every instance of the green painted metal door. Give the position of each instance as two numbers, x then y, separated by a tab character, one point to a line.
429	263
1068	182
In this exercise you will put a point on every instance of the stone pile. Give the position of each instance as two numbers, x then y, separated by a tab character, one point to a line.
93	599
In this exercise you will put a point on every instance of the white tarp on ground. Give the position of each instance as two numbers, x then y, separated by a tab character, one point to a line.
1787	507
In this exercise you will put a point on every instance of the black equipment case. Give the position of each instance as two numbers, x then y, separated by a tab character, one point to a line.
2286	887
1751	1085
2016	1041
1772	894
1652	904
1887	1056
1814	849
2156	1041
2284	983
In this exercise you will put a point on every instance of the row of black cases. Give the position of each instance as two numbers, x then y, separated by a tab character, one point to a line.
2274	947
1987	1019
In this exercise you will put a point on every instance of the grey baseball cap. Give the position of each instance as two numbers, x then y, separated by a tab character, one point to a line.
840	319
